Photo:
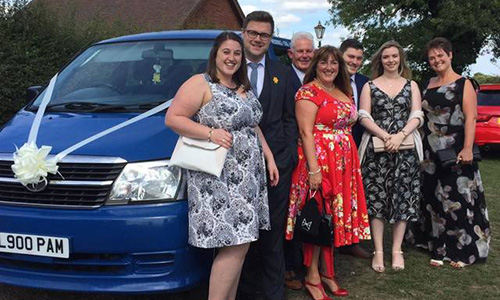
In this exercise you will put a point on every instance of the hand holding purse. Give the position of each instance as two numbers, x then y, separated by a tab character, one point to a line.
379	145
312	226
448	157
199	155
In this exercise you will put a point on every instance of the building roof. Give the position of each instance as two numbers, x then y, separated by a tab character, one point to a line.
147	14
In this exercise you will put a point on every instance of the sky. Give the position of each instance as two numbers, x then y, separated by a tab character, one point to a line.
302	15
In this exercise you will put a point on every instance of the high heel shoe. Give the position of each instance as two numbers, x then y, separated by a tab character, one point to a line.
338	292
318	286
397	267
379	268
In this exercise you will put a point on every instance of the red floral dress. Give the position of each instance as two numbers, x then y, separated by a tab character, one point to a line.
338	158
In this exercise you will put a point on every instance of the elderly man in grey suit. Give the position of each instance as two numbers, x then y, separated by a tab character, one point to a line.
301	53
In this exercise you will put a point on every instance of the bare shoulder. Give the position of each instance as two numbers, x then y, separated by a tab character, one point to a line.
432	82
414	85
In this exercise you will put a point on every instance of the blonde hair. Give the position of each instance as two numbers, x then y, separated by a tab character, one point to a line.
378	68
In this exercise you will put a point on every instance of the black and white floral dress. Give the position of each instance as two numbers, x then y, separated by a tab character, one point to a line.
231	209
454	219
392	180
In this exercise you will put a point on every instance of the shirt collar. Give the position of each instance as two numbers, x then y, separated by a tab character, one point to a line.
262	61
299	73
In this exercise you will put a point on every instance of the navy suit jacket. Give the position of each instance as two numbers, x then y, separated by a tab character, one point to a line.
358	129
295	81
278	122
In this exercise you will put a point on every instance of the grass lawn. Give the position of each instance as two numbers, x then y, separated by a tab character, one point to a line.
419	280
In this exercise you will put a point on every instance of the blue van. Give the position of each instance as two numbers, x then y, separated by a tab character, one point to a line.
115	218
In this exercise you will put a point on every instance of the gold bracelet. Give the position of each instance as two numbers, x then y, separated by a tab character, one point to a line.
404	133
210	134
315	172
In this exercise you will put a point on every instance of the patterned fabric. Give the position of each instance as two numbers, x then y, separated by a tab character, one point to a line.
454	221
392	180
231	209
338	158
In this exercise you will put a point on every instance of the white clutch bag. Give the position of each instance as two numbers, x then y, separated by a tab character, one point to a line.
379	146
199	155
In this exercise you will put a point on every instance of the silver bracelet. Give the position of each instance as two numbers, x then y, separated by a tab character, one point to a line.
315	172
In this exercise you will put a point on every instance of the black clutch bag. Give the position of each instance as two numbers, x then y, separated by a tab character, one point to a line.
312	226
448	157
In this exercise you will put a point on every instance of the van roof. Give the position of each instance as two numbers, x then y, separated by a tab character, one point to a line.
183	35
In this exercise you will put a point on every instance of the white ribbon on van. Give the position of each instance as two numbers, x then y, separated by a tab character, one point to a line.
31	165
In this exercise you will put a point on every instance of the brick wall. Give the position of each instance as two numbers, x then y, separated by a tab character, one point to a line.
215	14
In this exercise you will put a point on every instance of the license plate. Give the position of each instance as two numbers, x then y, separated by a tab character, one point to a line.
34	245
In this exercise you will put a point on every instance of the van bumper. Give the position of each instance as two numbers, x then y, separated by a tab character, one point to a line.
126	249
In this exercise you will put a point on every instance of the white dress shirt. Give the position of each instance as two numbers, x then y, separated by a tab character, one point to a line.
260	73
354	90
299	73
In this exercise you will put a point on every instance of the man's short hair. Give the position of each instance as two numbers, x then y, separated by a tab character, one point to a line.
301	35
259	16
350	43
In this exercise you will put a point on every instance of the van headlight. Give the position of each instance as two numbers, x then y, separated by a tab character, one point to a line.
146	181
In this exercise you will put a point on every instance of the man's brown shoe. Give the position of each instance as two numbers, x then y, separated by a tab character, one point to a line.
291	281
355	250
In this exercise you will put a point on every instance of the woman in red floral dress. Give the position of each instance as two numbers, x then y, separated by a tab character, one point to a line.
328	158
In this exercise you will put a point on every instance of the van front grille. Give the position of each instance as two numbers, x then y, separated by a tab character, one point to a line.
64	195
85	182
74	171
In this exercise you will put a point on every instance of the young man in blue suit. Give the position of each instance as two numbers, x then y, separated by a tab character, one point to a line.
352	52
264	267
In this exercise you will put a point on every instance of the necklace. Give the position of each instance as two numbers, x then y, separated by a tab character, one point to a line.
234	89
328	89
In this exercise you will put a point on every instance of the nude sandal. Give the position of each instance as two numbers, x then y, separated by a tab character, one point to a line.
378	268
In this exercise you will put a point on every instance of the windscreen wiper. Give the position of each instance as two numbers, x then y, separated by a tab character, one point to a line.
130	107
78	106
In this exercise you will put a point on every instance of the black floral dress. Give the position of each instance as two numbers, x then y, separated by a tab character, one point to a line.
231	209
391	180
453	221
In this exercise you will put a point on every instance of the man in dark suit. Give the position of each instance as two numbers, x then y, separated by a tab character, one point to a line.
301	53
352	52
265	264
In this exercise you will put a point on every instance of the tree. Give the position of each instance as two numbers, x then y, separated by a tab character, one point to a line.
35	45
469	25
483	78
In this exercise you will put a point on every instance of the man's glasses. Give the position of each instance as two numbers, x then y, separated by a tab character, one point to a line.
253	34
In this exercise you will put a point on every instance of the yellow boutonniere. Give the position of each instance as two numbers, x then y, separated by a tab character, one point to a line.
275	80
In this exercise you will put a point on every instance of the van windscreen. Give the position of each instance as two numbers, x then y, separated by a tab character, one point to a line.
127	75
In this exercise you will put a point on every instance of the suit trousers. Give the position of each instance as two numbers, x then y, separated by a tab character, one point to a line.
264	267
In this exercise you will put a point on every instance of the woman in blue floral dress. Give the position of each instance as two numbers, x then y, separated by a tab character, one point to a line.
453	221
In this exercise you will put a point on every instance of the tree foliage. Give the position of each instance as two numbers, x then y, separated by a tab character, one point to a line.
35	45
469	25
484	78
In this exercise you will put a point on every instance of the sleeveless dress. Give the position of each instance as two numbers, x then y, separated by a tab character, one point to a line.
454	221
231	209
392	180
338	158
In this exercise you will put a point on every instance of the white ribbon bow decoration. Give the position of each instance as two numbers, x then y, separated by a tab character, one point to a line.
31	165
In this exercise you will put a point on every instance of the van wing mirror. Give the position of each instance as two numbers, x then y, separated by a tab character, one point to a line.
32	92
